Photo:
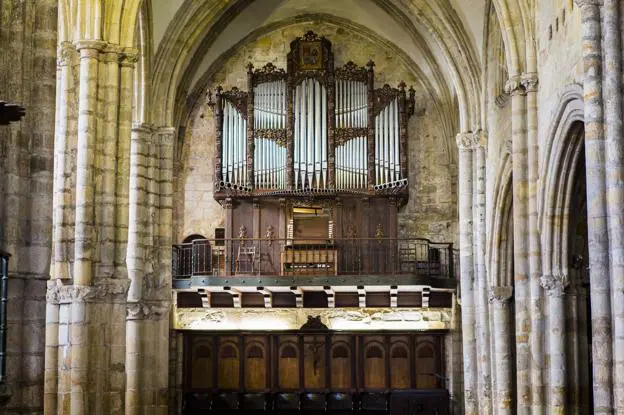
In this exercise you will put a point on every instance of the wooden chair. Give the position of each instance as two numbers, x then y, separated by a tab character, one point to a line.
246	255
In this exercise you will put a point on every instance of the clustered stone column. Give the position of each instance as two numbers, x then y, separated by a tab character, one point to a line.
500	299
465	143
519	154
554	286
484	382
106	345
598	236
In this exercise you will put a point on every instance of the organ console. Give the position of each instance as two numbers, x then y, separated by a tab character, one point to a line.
312	136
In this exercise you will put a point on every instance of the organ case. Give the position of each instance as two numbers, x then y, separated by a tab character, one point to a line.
313	128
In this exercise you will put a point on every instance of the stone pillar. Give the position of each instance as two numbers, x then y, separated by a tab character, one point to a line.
500	298
530	84
554	286
519	153
614	164
481	291
600	286
465	143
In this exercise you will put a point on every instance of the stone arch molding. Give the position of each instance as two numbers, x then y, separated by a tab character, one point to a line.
564	144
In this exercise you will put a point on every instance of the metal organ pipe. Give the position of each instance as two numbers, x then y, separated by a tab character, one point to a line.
234	152
269	114
387	147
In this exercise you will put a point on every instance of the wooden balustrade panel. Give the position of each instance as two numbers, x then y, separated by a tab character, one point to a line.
315	361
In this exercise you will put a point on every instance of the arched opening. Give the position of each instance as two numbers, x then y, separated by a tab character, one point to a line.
578	304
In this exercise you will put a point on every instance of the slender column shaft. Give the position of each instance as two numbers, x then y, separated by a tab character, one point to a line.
519	154
87	107
481	292
602	353
614	163
500	298
465	144
108	105
530	83
555	285
51	371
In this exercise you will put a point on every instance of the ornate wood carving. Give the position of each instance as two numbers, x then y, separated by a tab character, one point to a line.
351	72
383	96
238	99
314	324
279	136
268	73
342	135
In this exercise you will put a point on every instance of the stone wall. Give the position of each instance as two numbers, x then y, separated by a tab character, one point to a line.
27	77
431	209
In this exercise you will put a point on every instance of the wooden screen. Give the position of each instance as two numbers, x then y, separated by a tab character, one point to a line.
291	361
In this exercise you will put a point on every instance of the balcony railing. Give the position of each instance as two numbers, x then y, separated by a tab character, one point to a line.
314	257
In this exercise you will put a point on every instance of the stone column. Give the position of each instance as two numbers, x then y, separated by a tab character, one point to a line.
481	291
600	286
530	84
554	286
465	143
519	153
614	164
500	298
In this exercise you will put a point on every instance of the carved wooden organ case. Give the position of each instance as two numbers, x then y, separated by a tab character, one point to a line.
312	132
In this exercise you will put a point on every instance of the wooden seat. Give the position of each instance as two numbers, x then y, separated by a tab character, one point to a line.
247	257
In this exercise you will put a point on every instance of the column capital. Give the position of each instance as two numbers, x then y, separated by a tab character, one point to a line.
465	140
66	54
530	81
583	3
147	310
514	86
128	57
107	289
500	295
554	285
480	139
90	48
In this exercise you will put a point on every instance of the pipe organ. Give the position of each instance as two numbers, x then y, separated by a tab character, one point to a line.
312	128
311	154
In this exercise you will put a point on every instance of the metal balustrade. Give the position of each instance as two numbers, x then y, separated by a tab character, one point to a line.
314	257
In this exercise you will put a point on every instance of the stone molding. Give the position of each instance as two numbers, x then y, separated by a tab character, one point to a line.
110	289
90	49
530	82
501	295
554	285
145	310
515	86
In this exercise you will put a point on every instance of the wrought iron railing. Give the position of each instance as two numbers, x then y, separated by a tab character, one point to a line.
314	257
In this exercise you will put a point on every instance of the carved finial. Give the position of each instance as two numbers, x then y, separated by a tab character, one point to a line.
250	67
402	86
370	65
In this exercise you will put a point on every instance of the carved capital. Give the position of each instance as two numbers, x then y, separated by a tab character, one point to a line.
67	54
129	57
530	81
514	86
500	295
465	141
145	310
480	139
165	136
109	289
554	285
589	3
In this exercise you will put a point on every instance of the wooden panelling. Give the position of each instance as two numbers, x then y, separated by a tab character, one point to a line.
315	361
347	300
288	363
188	300
229	363
284	299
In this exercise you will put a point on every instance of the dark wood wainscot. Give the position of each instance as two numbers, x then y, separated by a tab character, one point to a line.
398	373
